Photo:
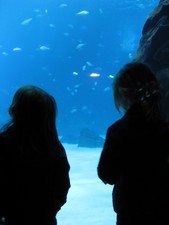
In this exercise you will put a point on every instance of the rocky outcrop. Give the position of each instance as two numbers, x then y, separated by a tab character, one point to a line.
88	138
69	138
154	48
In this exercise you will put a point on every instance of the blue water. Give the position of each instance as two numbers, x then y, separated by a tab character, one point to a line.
57	44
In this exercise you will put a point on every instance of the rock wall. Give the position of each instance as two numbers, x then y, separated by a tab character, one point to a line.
154	48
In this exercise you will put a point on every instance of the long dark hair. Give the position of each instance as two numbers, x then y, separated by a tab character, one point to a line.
33	113
136	83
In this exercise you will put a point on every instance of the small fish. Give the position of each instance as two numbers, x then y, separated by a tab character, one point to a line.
141	6
4	53
75	73
17	49
70	25
66	34
83	28
51	25
84	67
84	108
100	10
94	75
26	22
68	88
73	110
116	61
63	5
83	12
44	68
89	64
111	76
107	89
80	46
44	48
37	10
100	45
77	86
130	55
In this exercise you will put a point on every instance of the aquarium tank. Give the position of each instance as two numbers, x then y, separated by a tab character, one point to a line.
73	50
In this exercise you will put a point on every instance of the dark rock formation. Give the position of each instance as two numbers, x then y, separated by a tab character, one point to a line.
89	138
154	48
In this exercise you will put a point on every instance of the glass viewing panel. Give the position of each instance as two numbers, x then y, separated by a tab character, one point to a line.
72	49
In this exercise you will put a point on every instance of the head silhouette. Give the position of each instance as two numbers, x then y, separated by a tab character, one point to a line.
33	107
33	113
135	83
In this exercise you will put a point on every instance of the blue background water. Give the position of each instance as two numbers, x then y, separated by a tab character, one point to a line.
57	49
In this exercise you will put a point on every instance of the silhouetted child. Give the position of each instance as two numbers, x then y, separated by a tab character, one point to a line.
33	165
135	154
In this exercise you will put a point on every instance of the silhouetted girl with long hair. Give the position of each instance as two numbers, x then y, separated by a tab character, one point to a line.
136	150
33	162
